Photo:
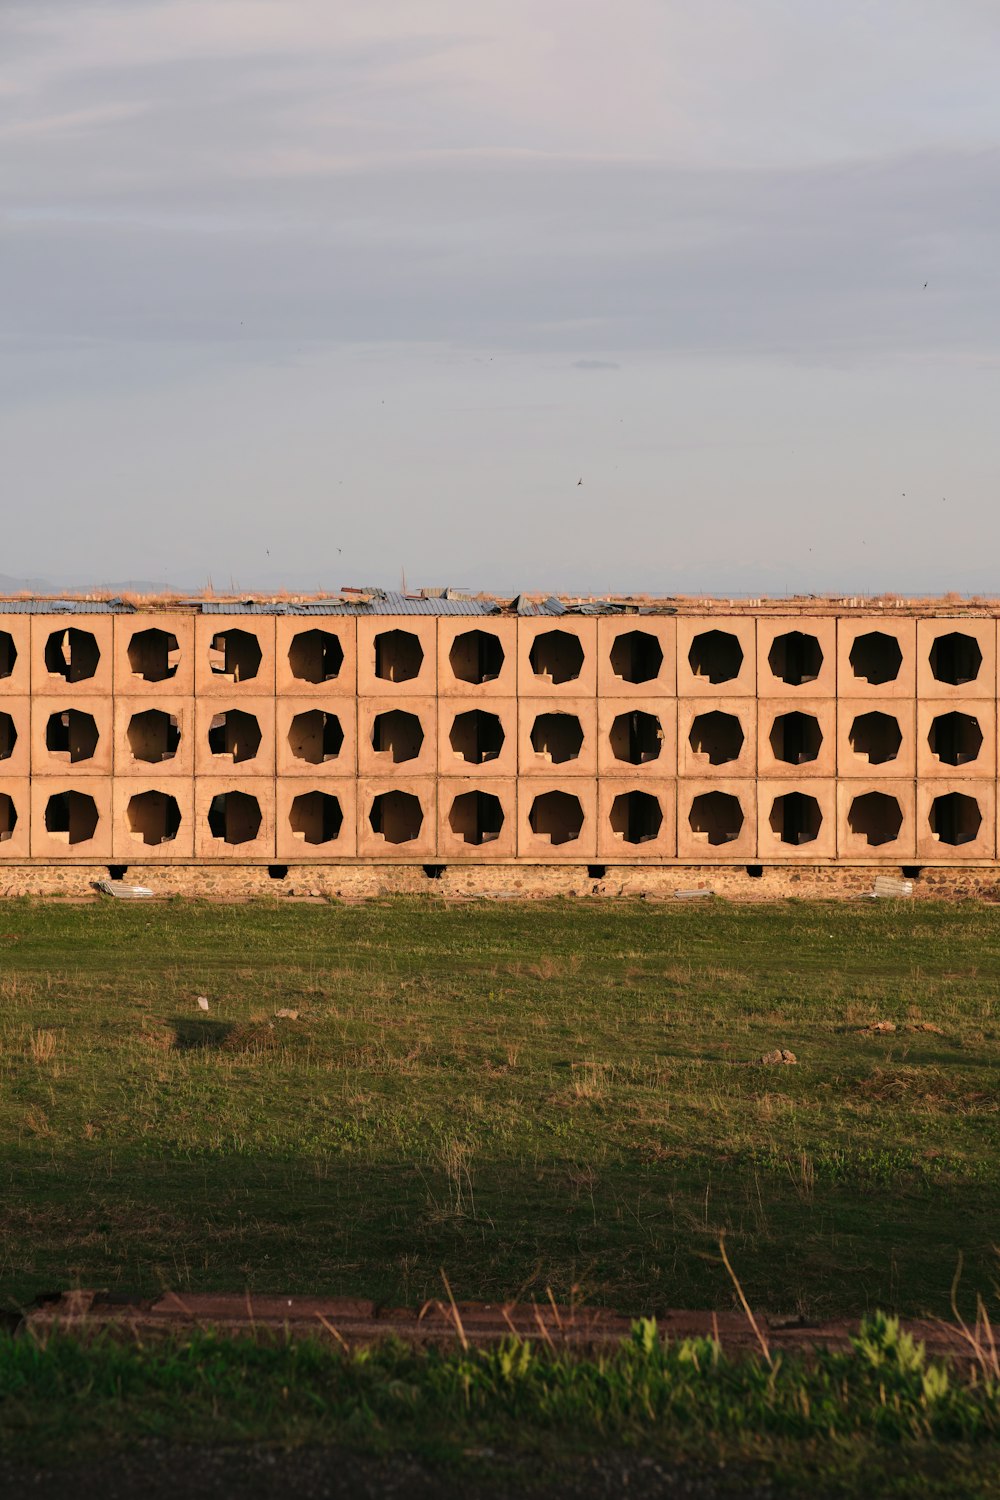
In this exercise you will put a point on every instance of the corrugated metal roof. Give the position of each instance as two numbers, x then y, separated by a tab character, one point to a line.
65	607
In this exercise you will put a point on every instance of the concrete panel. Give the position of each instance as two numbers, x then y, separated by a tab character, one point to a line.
796	820
636	820
397	736
80	732
557	739
956	821
307	824
716	737
803	731
15	655
397	656
15	736
956	658
797	657
717	657
637	737
876	820
557	819
876	658
477	727
405	807
557	657
316	737
154	655
477	818
72	654
316	656
477	658
234	655
636	656
15	817
71	818
717	819
233	829
876	737
154	737
956	737
239	752
153	819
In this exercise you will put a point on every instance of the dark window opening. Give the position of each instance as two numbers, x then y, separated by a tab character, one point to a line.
717	736
8	654
876	658
557	656
476	656
636	737
154	816
596	872
955	659
398	656
234	735
796	818
876	738
955	818
795	738
71	817
154	655
557	817
153	736
476	736
434	872
71	735
717	655
397	816
8	736
717	817
277	872
636	817
636	656
234	817
315	736
476	817
397	734
795	658
117	872
72	654
316	817
910	872
557	738
955	739
876	817
315	656
8	816
235	654
755	871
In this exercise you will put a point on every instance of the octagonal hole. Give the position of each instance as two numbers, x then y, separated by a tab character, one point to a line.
796	818
636	817
716	655
154	655
476	817
557	656
636	656
636	737
876	738
476	736
955	818
557	737
235	655
876	817
8	654
71	735
72	654
398	656
315	736
316	817
876	657
556	817
8	736
315	656
955	658
955	738
71	817
716	817
795	738
476	656
397	734
8	816
717	736
795	658
234	817
153	735
234	735
154	816
397	816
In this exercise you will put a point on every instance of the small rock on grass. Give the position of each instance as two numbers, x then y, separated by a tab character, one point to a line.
779	1055
202	1002
287	1015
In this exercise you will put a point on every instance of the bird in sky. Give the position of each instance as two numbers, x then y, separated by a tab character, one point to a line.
579	481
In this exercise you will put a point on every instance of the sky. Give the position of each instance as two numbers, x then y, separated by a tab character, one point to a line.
525	294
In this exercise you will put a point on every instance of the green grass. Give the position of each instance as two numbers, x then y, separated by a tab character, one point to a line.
557	1095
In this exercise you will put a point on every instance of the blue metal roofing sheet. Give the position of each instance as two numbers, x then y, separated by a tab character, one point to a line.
65	607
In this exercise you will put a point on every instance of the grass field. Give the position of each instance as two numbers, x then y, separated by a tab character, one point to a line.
554	1095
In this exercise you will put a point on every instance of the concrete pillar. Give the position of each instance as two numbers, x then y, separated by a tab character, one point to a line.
956	737
316	737
956	821
477	819
154	654
154	737
71	818
796	820
397	656
557	657
397	735
234	818
716	737
397	818
636	819
316	656
876	820
316	819
477	737
636	656
716	656
876	737
15	817
234	736
234	656
558	738
15	736
717	820
796	657
876	657
477	657
956	658
557	819
637	737
15	655
72	654
72	736
153	819
796	738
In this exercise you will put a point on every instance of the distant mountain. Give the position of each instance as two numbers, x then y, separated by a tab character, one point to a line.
9	585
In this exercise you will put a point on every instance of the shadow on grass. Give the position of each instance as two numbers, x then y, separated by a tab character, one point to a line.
197	1033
